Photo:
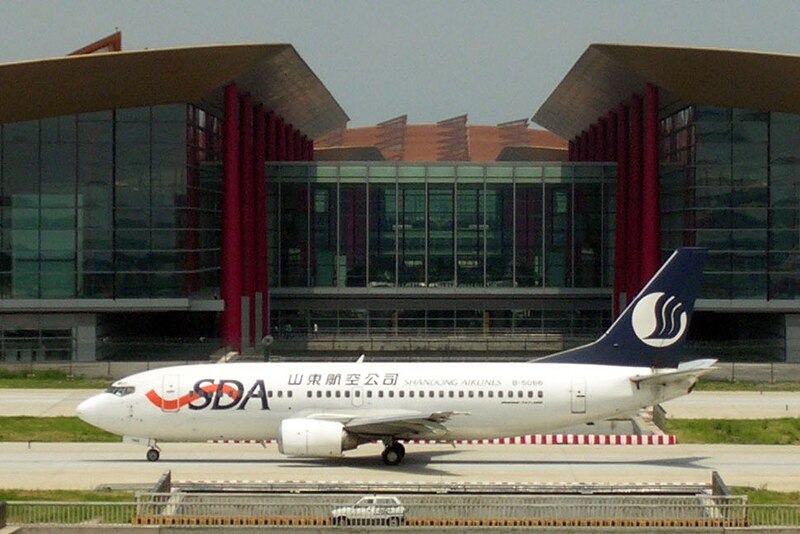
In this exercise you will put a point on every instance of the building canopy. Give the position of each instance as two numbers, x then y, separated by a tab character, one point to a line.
273	74
608	74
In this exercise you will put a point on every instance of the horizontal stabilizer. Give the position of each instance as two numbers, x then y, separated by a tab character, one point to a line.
690	370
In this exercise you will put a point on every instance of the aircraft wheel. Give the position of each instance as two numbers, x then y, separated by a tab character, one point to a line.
153	455
400	449
392	455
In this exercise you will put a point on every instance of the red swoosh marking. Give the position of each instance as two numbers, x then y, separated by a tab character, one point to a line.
174	404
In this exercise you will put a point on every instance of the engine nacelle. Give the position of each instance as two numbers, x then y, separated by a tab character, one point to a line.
313	437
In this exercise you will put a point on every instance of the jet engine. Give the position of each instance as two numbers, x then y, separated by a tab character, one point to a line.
314	437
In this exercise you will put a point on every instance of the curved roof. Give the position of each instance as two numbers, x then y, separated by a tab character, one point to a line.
608	74
274	74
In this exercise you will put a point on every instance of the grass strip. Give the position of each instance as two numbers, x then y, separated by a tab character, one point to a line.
785	431
66	495
49	429
727	385
48	379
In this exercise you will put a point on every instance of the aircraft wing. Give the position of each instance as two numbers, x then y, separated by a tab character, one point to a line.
404	424
686	372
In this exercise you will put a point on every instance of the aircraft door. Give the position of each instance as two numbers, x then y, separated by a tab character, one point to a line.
578	394
357	396
170	393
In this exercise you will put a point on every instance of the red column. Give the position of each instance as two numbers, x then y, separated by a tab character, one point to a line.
594	135
651	209
247	211
280	138
310	150
288	132
621	232
602	134
634	197
571	151
259	158
272	137
584	146
611	136
298	147
231	271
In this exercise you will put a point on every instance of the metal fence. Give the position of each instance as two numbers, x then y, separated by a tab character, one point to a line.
31	512
417	510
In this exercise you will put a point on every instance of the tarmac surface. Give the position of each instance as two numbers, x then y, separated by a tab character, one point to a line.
92	465
117	465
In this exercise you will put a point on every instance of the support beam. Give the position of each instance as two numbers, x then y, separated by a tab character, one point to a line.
651	208
230	270
259	176
621	231
634	206
247	211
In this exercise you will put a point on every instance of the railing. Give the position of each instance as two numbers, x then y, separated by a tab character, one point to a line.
417	510
31	512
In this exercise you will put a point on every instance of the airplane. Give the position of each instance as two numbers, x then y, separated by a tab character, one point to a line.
317	409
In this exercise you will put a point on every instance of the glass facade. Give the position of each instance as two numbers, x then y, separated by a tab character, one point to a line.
503	238
729	182
114	204
441	226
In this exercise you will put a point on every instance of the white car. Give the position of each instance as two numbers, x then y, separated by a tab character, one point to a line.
371	510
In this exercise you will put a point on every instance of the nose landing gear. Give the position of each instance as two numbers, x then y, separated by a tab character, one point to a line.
394	453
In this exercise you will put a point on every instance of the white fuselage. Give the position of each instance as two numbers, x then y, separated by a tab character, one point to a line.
249	400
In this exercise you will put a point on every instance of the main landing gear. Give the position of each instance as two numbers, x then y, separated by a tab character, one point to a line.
153	453
394	452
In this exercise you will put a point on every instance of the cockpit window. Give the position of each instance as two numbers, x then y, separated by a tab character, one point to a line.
120	391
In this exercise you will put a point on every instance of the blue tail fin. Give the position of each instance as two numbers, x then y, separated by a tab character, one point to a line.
652	330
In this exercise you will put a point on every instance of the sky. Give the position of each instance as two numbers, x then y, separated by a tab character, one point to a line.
429	59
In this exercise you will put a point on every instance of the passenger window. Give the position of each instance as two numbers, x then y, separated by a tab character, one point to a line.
391	394
491	394
280	393
451	394
289	394
540	394
319	394
328	394
471	394
369	394
520	394
380	394
338	394
269	394
309	394
530	394
411	394
500	394
402	394
430	394
441	394
347	394
511	394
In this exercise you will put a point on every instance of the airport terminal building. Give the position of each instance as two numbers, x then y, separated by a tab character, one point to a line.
162	203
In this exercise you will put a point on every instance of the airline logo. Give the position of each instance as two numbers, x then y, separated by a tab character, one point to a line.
659	320
215	395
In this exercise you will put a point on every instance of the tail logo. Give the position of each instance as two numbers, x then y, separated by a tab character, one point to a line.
659	320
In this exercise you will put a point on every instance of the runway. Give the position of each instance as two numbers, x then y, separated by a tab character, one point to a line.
92	465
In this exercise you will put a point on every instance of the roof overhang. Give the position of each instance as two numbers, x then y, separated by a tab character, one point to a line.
607	75
274	74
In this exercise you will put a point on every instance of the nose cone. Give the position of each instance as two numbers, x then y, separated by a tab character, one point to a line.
89	411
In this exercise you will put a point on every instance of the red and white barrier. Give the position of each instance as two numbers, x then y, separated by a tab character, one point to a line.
532	439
